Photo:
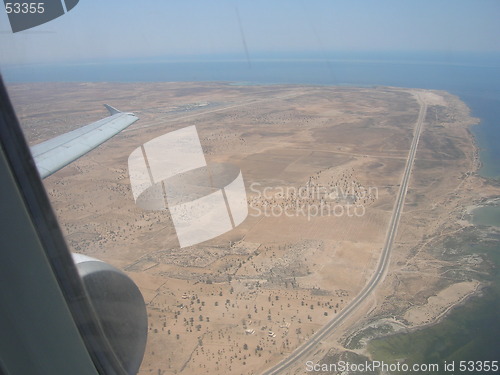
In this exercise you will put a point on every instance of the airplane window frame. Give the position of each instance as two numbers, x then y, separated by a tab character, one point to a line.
37	204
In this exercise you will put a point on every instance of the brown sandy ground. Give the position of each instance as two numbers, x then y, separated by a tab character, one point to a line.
239	303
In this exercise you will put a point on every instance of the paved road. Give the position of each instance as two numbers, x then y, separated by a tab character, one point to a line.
184	116
379	273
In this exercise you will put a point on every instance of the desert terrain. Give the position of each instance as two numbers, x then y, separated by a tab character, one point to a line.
321	166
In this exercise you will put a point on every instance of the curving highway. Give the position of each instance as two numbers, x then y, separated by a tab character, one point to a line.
383	263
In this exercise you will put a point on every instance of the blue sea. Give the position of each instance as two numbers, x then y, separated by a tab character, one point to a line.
475	78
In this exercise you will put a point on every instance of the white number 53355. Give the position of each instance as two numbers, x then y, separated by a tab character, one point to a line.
24	8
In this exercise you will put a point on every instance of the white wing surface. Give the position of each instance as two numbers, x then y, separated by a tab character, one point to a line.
52	155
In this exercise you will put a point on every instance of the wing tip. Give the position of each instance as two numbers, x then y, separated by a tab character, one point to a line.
112	110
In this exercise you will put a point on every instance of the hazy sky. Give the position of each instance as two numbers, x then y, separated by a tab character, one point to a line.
95	29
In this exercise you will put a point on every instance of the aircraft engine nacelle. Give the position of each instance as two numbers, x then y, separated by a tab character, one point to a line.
120	308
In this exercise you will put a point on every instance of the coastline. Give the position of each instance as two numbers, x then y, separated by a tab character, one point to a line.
485	199
444	308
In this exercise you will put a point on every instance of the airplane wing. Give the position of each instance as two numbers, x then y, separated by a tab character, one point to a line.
52	155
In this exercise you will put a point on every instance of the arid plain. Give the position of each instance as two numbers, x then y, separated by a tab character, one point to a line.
322	168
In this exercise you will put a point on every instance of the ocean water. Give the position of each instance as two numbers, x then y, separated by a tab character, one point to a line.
487	215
